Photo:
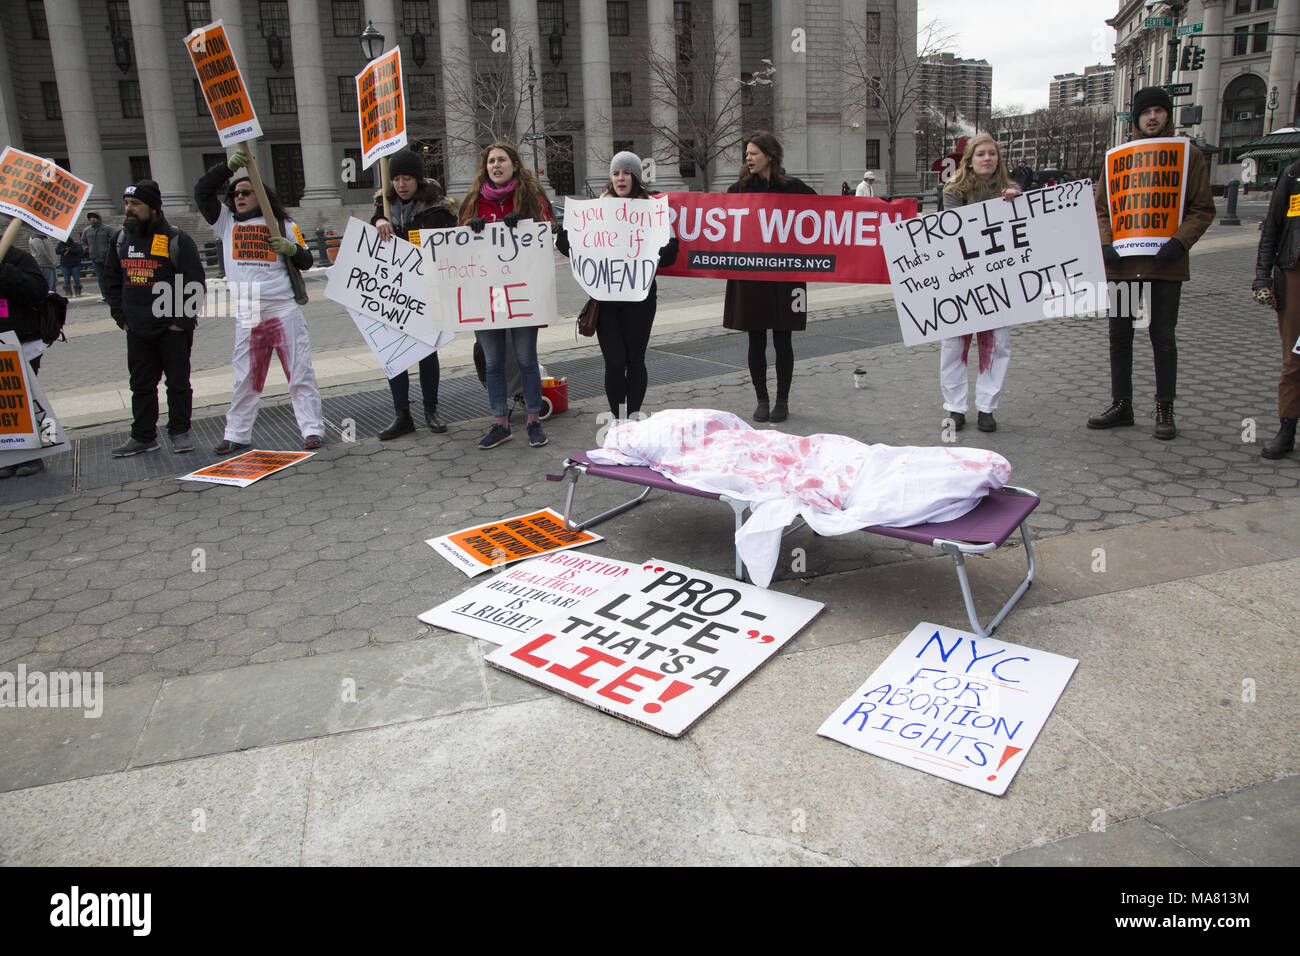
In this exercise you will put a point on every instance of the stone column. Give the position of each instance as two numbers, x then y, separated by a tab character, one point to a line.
597	108
790	84
77	101
319	166
663	110
461	151
1209	93
9	125
152	67
525	35
726	89
231	15
1281	65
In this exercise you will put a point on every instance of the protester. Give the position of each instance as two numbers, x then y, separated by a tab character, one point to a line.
154	280
267	319
845	188
868	185
1163	274
47	260
1277	284
415	203
755	307
70	253
981	175
1023	176
623	328
505	189
95	240
22	290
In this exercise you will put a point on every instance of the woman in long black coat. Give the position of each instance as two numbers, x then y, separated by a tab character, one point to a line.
757	307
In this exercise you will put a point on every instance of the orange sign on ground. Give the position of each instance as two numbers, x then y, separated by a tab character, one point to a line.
498	543
247	468
381	108
223	87
41	193
1146	190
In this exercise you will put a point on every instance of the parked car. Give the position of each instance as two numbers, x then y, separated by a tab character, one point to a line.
1050	177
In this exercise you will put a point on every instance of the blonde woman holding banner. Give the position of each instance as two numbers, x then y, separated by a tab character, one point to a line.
981	175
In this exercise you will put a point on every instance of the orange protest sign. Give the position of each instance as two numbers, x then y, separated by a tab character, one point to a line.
41	193
1146	192
498	543
380	107
16	425
247	468
223	88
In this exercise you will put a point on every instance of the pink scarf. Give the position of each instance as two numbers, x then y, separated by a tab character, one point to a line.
498	193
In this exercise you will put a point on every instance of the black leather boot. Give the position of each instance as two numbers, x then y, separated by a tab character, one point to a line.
1165	429
432	420
1283	442
1119	413
402	425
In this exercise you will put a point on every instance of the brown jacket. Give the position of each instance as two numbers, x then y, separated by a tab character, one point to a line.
1197	216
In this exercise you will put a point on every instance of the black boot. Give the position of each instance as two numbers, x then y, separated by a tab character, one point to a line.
1165	429
402	425
1283	442
1119	413
432	420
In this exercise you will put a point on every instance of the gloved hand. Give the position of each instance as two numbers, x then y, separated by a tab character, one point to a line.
477	223
238	159
511	219
1170	253
284	246
1262	292
1110	256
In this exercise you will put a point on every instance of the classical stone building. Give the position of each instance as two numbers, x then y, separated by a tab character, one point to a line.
105	87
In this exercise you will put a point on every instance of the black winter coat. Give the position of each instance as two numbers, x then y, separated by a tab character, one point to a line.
1279	239
22	290
752	305
432	211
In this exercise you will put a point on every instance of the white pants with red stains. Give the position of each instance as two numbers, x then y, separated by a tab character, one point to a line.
994	356
281	332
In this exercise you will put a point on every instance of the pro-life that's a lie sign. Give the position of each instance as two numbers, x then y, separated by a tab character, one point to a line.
499	278
996	263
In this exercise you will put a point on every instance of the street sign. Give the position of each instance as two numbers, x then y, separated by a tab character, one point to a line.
1179	89
1121	115
1187	29
1160	21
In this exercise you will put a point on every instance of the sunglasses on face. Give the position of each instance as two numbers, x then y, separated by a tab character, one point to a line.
243	192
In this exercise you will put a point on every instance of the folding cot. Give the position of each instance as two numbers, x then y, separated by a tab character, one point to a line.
983	529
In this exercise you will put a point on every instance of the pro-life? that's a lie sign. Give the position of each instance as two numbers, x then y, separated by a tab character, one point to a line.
614	245
499	278
996	263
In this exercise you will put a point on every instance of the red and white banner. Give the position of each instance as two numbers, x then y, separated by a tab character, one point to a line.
776	237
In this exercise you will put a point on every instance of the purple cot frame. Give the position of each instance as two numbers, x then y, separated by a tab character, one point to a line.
983	529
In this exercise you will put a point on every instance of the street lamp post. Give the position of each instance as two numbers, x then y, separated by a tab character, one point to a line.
532	108
1272	105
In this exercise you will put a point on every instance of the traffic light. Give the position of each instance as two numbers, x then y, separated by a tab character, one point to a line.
1198	57
1185	62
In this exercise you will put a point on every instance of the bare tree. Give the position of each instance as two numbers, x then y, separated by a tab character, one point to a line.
883	63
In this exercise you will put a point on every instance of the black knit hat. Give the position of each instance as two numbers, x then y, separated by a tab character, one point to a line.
1148	97
405	163
147	191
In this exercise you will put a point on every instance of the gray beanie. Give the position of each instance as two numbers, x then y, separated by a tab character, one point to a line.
628	162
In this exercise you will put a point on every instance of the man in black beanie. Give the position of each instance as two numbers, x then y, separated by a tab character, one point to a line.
154	282
1154	282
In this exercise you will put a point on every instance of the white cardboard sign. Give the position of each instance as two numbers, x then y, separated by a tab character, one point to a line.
395	351
659	648
614	245
522	596
958	706
996	263
383	281
500	278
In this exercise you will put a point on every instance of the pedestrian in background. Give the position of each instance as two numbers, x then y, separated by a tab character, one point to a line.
415	203
981	175
95	240
506	190
1277	284
41	247
868	185
759	307
69	252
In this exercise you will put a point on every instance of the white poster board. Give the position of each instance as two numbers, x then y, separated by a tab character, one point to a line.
395	351
499	278
659	648
614	245
28	428
522	596
383	281
996	263
958	706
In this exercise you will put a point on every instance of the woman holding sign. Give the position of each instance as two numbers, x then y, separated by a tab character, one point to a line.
755	307
507	191
981	175
414	203
623	328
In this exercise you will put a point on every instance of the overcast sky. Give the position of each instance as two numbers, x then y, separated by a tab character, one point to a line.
1027	43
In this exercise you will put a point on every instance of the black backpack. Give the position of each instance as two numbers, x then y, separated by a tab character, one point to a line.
53	311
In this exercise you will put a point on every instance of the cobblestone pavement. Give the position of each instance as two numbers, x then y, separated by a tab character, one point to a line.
150	577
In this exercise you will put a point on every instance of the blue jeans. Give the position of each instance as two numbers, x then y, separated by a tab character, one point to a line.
99	277
49	273
494	354
71	279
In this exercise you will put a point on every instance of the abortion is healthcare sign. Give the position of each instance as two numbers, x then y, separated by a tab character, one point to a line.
659	648
958	706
